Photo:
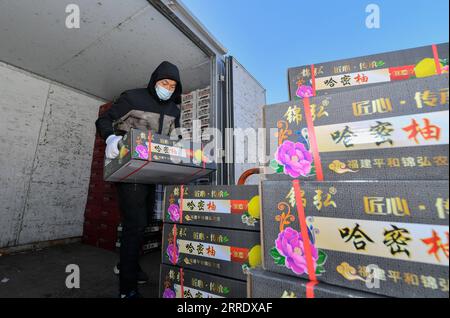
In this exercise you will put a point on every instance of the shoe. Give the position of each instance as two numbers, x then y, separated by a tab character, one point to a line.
142	276
131	295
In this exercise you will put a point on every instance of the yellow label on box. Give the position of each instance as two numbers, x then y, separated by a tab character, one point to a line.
422	243
353	79
214	251
425	129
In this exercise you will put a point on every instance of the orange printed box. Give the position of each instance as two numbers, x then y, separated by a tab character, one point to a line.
233	207
365	71
224	252
397	131
384	237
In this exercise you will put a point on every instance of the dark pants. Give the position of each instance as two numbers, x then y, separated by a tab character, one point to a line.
136	204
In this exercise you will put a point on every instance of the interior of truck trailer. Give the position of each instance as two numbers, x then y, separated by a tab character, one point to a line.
117	48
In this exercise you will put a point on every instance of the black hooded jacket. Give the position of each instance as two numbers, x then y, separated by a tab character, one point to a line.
142	108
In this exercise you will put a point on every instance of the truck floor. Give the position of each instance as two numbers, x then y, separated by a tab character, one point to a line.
41	274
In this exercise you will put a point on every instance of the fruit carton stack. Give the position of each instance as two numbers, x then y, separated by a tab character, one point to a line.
152	237
204	109
211	239
188	113
153	231
159	202
196	105
365	71
149	158
102	213
355	197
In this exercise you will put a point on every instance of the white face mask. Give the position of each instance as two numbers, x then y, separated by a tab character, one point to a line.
163	93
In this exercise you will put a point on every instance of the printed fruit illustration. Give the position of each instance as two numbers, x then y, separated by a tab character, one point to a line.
426	68
198	154
253	207
254	256
123	152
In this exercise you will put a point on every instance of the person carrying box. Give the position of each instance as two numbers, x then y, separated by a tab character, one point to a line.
153	108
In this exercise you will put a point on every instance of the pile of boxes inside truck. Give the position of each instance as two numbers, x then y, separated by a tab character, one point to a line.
195	106
355	197
102	215
152	236
153	231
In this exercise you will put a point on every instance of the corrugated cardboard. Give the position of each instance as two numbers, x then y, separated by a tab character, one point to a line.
371	70
388	238
397	131
228	253
232	207
160	161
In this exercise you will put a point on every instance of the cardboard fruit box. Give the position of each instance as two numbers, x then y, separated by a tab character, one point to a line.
388	238
228	253
264	284
154	227
150	244
354	73
233	207
397	131
176	282
146	157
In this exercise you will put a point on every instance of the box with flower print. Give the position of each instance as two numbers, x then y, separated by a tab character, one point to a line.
354	73
264	284
176	282
232	207
145	157
228	253
386	237
397	131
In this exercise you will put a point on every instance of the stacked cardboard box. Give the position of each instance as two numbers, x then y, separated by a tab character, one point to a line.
177	282
355	197
229	207
146	157
196	105
383	237
102	214
188	113
393	131
204	109
263	284
159	202
212	232
152	236
378	69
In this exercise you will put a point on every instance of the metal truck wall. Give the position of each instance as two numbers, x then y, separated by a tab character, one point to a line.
47	134
248	98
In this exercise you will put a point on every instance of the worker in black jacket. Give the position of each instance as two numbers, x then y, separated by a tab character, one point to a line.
153	108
